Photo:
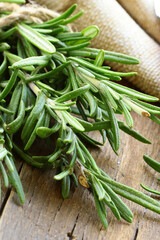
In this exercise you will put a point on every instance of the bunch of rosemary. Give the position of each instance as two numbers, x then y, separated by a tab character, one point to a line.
58	86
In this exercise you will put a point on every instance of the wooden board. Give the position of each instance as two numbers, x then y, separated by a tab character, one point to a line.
46	216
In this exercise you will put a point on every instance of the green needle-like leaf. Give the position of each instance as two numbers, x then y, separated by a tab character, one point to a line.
40	60
152	163
98	69
13	127
72	121
35	38
100	210
14	58
150	189
14	1
73	94
62	174
10	84
98	188
91	31
65	186
114	123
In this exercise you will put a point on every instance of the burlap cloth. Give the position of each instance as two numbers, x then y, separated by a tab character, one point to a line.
130	34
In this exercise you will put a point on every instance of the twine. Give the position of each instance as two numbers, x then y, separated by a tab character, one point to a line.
31	13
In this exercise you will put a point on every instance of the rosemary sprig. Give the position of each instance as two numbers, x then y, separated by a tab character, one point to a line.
53	74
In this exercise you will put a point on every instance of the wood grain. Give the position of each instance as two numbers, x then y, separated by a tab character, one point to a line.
46	216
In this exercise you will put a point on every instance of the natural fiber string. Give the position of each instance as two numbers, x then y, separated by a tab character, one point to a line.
29	12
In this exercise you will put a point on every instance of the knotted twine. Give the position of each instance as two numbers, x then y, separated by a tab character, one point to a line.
29	12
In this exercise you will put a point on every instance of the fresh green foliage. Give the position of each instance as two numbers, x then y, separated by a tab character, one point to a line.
14	1
150	189
67	78
152	163
156	166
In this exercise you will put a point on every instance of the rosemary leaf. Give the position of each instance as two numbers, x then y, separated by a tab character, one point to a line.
152	163
35	38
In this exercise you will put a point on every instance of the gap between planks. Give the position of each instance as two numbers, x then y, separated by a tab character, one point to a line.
110	166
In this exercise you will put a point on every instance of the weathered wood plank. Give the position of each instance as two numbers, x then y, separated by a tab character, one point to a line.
45	215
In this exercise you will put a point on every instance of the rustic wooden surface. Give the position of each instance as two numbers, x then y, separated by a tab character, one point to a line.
46	216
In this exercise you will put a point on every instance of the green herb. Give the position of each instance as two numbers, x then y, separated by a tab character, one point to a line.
67	78
14	1
156	166
35	38
152	163
150	189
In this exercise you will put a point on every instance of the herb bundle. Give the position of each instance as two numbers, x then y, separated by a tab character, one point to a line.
58	86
